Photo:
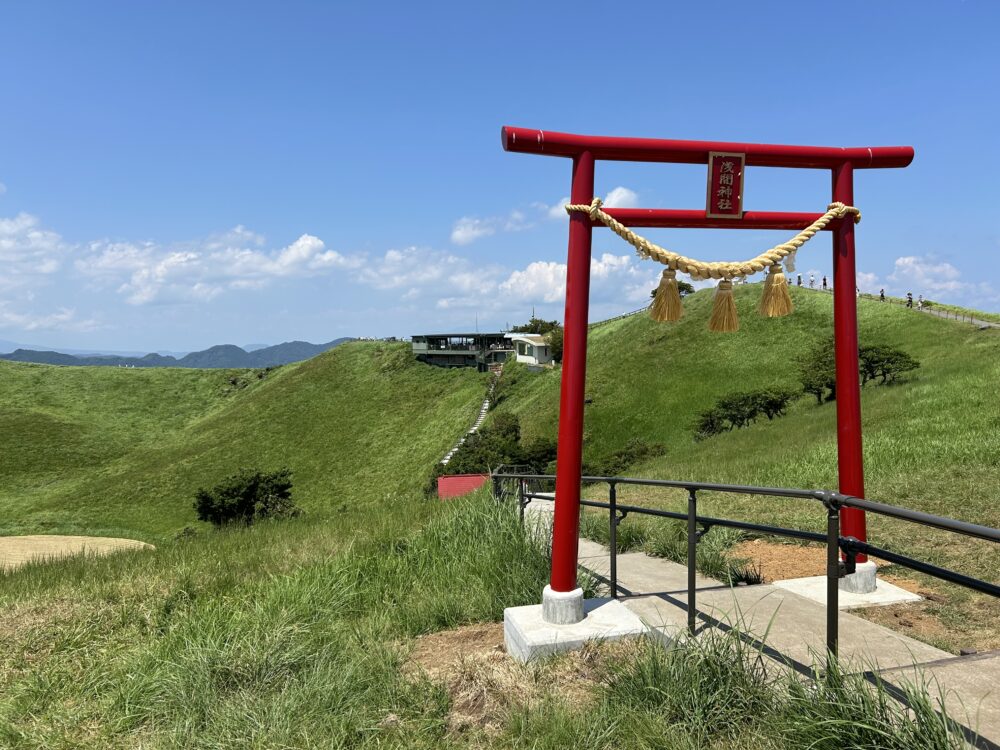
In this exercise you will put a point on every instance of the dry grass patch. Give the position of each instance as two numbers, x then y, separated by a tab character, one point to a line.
16	551
486	686
779	562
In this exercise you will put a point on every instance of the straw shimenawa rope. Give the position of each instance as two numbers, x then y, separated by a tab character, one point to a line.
697	269
775	301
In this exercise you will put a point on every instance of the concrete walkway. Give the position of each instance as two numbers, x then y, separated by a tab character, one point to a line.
791	631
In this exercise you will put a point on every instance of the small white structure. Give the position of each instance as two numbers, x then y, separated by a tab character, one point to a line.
530	348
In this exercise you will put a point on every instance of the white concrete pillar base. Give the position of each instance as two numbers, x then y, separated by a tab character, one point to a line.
861	581
562	607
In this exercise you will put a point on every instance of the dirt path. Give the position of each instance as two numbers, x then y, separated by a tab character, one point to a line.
18	550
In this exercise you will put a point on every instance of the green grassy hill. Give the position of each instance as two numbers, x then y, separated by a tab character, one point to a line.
299	633
650	380
121	452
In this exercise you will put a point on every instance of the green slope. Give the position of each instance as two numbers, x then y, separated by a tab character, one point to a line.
114	451
932	442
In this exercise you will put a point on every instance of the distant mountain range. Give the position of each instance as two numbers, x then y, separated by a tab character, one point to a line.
222	356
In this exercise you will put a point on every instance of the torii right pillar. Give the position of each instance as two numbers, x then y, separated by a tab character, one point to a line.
850	456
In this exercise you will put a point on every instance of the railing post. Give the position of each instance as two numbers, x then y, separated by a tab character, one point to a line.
613	537
832	580
692	534
520	499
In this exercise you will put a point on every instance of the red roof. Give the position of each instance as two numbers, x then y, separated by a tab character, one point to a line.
456	485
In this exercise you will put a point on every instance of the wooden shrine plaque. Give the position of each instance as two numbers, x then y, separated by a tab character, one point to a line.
725	185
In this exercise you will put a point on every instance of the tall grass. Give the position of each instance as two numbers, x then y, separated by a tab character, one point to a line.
287	657
716	691
267	637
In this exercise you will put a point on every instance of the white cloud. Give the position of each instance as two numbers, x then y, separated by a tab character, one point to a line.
621	197
3	188
557	210
612	277
468	229
543	281
28	250
64	319
867	282
201	271
926	275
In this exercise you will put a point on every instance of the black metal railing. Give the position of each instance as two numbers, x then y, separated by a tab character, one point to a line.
523	487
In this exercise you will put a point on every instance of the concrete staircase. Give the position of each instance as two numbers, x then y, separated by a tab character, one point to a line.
480	418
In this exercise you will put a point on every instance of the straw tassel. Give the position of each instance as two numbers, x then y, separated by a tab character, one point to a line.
667	302
775	302
724	318
790	262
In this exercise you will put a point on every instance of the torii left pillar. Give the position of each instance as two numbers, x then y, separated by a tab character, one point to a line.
562	599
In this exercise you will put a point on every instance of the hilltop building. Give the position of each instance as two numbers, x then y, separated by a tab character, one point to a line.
479	350
530	348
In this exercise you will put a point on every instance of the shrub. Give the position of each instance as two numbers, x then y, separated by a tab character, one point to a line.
741	409
710	422
635	450
246	497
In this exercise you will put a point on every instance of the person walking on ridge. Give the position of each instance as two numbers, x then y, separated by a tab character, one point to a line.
909	299
824	283
812	281
881	295
798	281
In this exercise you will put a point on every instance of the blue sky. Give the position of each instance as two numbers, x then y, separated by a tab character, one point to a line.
181	174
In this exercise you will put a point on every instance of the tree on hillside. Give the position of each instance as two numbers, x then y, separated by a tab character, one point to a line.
555	341
536	325
817	371
876	363
884	362
683	288
248	496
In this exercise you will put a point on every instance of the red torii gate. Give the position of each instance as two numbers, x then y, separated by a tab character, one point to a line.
585	151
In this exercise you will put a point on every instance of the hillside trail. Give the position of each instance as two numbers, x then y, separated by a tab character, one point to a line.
790	631
927	310
484	410
16	551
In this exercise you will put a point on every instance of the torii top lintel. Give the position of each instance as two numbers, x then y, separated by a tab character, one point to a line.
549	143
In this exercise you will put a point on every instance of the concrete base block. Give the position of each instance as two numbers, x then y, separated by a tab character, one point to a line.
528	636
814	588
861	581
562	607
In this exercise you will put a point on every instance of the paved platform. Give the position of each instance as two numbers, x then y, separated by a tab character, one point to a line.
814	588
791	630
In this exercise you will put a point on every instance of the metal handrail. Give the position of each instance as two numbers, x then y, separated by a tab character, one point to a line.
832	501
